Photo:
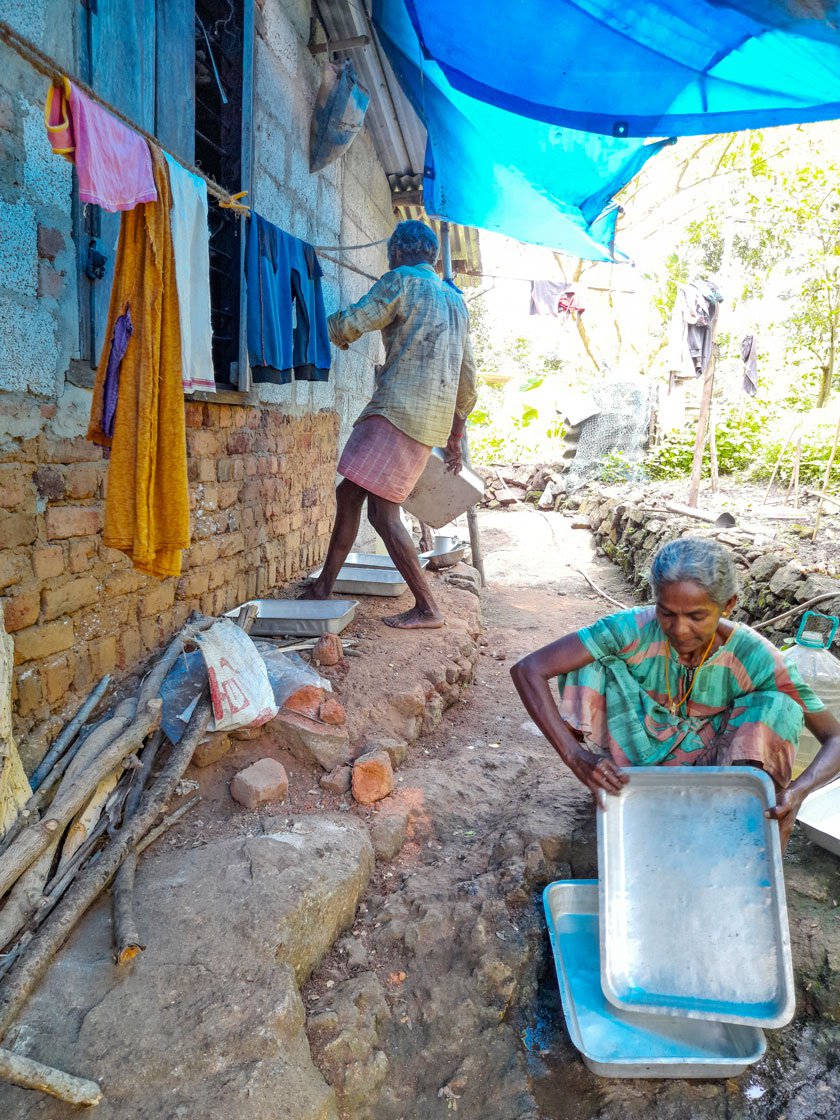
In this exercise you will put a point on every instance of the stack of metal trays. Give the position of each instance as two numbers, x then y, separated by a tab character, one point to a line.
370	560
694	948
616	1043
289	618
820	817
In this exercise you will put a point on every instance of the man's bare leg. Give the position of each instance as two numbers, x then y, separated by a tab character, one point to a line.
349	500
425	614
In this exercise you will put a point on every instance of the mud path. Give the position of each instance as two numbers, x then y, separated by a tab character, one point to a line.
464	1017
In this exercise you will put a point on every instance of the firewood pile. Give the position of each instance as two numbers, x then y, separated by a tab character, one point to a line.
98	799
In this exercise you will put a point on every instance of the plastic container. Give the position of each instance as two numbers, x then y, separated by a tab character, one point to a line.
820	669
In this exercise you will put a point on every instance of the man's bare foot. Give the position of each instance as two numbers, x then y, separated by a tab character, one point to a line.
415	619
313	591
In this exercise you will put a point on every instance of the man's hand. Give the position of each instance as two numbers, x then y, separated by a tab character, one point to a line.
452	454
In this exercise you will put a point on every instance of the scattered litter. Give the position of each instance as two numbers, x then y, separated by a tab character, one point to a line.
185	786
494	744
754	1092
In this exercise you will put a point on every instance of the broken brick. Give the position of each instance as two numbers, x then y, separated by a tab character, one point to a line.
373	777
260	783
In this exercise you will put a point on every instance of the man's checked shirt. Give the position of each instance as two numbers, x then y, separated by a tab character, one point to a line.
428	375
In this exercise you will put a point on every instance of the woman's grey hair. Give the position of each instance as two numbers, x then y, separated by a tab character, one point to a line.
414	239
696	560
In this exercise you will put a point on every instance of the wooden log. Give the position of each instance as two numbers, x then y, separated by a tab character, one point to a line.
85	821
69	733
14	787
702	426
800	609
720	520
126	936
33	1075
30	966
24	897
70	799
778	463
833	499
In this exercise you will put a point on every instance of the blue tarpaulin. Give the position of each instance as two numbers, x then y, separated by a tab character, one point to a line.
491	168
641	67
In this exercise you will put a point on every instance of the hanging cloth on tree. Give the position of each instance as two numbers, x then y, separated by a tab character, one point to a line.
147	512
749	354
112	161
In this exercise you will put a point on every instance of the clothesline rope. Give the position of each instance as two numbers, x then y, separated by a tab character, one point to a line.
49	67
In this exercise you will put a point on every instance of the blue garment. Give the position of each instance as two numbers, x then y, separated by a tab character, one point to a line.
287	321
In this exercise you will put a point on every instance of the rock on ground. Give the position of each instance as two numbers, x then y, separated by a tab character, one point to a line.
260	783
373	777
208	1022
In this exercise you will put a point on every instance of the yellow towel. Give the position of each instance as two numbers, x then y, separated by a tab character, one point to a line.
147	511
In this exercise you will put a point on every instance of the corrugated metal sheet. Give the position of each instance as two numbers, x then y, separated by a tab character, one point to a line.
397	133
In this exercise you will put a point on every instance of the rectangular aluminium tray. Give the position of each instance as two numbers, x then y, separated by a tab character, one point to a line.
288	618
692	898
369	581
615	1043
371	560
820	817
439	496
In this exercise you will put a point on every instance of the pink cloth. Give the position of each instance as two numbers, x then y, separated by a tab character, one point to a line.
382	459
112	161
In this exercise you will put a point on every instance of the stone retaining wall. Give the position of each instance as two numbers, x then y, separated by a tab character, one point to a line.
771	580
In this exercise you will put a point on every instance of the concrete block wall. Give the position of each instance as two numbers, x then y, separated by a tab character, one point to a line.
261	475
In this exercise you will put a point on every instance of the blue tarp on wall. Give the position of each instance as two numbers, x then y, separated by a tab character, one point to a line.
641	67
493	169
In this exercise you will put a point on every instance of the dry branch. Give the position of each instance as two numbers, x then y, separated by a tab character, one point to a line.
24	897
126	936
33	1075
67	736
73	795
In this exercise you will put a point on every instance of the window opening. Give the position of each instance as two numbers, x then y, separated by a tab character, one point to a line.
219	68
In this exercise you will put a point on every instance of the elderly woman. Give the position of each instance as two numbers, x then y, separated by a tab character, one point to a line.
678	684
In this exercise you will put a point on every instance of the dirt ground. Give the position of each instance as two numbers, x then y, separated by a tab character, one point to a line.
453	928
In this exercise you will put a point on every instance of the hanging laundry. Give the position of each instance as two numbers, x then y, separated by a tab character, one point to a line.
112	161
191	242
691	333
749	354
550	297
123	330
147	502
287	321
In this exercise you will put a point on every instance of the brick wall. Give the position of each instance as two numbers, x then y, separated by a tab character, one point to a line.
77	610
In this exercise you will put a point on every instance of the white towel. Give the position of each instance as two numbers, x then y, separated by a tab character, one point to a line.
191	242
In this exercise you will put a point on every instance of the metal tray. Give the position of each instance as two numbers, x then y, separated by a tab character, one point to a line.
616	1043
372	560
692	898
284	618
820	817
439	496
369	581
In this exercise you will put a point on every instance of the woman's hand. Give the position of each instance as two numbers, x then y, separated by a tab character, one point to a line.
788	804
600	775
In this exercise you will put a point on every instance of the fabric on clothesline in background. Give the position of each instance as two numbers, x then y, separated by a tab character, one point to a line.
287	321
191	243
112	161
545	297
749	354
691	333
147	512
123	330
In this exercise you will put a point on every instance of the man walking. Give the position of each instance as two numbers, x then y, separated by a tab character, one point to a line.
424	392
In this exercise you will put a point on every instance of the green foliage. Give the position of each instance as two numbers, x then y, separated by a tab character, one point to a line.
615	467
514	425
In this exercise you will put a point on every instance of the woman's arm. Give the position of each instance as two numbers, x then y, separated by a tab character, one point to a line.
824	727
531	678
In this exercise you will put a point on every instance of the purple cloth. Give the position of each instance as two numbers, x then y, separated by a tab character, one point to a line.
123	330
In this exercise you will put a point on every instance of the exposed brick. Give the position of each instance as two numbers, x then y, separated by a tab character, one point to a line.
82	554
240	442
193	584
72	521
332	711
373	777
50	242
77	450
52	282
57	676
12	485
128	649
263	782
82	480
17	529
194	414
157	599
103	655
12	565
306	701
109	616
43	640
49	482
22	610
126	581
48	562
29	697
69	597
